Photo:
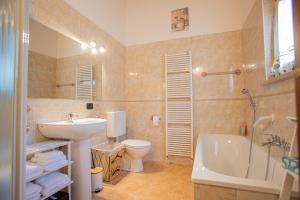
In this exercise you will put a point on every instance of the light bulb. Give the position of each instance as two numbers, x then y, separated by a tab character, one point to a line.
93	44
94	51
84	46
102	50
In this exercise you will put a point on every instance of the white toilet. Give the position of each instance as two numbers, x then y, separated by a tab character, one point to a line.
136	149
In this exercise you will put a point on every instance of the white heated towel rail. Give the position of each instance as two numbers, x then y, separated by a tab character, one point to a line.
84	82
179	104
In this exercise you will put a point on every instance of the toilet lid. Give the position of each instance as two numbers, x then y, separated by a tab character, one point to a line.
136	143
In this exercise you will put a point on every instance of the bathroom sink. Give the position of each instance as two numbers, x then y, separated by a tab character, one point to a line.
78	129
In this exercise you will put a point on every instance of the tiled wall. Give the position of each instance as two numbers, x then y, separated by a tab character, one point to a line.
277	98
41	75
218	108
57	15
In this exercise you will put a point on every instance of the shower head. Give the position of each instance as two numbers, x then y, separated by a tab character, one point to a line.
247	93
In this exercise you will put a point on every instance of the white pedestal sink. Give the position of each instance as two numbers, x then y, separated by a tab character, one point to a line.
80	131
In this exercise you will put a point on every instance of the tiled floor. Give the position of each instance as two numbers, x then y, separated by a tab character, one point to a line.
157	182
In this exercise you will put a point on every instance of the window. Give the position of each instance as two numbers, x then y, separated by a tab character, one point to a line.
284	52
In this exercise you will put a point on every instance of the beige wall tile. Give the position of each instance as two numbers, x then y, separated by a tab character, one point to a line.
218	116
140	126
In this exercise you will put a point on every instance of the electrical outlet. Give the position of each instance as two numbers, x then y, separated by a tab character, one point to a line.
89	106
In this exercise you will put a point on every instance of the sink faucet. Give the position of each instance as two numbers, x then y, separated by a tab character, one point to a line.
71	117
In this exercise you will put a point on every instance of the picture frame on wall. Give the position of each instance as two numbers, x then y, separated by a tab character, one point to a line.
180	20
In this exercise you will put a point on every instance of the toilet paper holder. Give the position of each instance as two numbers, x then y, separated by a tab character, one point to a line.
155	116
156	120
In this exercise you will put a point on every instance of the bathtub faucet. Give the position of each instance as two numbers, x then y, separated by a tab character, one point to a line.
275	140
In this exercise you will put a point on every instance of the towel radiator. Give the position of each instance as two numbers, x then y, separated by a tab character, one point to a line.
179	104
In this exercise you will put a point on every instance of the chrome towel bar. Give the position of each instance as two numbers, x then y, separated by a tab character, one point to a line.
236	72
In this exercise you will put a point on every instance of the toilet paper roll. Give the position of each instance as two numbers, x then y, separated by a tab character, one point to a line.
156	120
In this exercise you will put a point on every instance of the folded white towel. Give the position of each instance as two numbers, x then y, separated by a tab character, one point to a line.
50	179
55	166
33	170
46	161
32	189
48	155
57	186
50	161
33	176
35	196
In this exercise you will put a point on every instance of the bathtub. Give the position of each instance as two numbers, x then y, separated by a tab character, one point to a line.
221	162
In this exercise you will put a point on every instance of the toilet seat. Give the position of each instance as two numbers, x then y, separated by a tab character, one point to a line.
137	144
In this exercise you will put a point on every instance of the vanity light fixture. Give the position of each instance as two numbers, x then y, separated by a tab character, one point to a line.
93	44
92	47
94	51
102	49
84	46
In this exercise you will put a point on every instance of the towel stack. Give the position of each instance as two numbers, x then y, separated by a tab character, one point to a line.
33	170
33	191
52	182
50	161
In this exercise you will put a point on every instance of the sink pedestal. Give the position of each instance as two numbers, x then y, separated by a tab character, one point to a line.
81	170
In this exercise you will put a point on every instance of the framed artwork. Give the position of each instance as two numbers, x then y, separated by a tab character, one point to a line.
180	20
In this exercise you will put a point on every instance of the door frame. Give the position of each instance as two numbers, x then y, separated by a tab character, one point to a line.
296	9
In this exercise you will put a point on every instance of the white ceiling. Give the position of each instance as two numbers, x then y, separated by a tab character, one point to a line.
142	21
109	15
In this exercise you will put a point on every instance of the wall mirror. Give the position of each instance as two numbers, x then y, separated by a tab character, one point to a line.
59	68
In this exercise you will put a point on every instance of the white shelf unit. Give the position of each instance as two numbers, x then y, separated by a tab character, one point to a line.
47	146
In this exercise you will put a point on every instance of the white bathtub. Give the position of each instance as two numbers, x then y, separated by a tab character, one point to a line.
221	160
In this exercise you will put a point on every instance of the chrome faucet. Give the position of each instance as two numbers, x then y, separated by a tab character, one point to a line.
286	146
275	140
71	117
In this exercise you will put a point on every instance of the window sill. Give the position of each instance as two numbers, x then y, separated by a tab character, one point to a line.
287	76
